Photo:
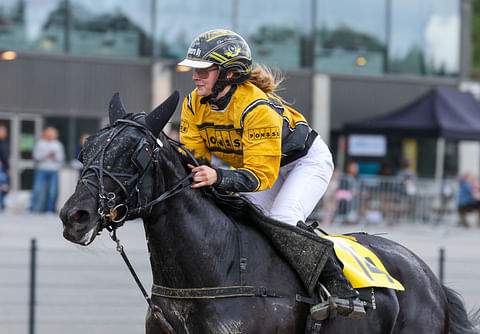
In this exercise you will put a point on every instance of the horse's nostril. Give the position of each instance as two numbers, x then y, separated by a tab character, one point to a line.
80	216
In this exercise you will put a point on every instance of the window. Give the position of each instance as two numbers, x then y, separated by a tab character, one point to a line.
425	37
32	25
179	22
276	33
113	28
350	36
344	36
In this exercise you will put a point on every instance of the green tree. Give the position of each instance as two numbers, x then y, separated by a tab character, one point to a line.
476	34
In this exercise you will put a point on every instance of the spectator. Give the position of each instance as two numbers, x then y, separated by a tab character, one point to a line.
75	162
385	169
49	156
83	138
329	200
385	175
4	165
468	198
408	178
347	193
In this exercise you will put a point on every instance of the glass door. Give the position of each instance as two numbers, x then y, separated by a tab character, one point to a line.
29	130
22	133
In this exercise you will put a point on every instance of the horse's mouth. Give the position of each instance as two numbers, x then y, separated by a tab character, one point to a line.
80	238
79	227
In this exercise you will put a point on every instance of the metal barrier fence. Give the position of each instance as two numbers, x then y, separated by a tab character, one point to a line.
388	200
56	288
47	290
54	296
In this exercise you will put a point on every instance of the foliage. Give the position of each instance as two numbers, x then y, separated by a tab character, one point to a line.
476	34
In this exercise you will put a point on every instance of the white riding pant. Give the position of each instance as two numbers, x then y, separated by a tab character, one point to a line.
299	186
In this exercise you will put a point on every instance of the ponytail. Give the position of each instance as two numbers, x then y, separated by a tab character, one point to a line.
267	80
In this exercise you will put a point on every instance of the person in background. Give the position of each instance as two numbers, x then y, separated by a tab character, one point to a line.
4	165
329	200
281	164
468	198
408	177
347	193
83	138
75	163
49	156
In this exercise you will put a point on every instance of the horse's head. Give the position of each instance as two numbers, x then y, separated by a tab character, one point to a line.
117	180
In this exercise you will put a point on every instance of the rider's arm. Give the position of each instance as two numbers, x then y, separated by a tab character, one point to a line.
189	133
261	153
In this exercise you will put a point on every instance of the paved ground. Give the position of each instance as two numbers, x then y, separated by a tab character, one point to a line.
89	290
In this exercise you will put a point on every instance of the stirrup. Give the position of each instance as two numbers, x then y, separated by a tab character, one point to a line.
329	306
352	308
326	306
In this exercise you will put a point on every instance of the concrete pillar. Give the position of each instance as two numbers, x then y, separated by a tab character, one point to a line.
321	105
161	85
67	181
469	157
161	82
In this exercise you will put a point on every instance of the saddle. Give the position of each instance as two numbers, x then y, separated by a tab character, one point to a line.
306	252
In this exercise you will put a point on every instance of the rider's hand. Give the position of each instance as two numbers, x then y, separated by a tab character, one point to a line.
204	176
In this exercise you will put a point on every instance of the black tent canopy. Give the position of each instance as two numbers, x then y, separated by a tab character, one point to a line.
442	112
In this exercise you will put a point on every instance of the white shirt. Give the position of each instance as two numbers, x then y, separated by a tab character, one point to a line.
41	151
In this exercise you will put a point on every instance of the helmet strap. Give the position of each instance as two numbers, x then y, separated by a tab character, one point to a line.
223	82
219	85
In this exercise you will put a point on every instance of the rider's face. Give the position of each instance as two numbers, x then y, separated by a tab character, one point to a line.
204	79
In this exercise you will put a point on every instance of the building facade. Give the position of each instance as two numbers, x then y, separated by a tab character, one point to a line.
343	60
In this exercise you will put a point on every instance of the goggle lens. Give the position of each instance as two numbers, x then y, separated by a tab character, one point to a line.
203	73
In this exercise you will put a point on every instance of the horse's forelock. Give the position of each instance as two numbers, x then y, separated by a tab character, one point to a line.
118	150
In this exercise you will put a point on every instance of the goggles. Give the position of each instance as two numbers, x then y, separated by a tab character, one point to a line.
203	73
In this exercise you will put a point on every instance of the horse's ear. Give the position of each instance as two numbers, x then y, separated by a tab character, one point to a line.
116	110
157	119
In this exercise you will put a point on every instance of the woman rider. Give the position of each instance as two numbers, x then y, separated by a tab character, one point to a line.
281	164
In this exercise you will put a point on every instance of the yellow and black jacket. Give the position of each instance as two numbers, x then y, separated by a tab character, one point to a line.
249	131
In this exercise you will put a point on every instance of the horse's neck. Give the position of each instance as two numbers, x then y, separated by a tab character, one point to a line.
192	243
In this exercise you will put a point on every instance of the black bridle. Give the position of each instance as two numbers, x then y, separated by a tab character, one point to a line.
146	156
133	206
113	214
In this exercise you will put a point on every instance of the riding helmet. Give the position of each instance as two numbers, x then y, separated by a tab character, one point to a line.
224	48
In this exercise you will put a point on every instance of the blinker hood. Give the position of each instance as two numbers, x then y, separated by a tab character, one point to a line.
155	120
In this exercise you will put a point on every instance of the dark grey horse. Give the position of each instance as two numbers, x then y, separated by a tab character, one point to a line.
133	170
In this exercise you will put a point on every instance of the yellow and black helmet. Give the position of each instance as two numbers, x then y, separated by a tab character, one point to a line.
224	48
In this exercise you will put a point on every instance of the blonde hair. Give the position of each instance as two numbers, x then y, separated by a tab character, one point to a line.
268	80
